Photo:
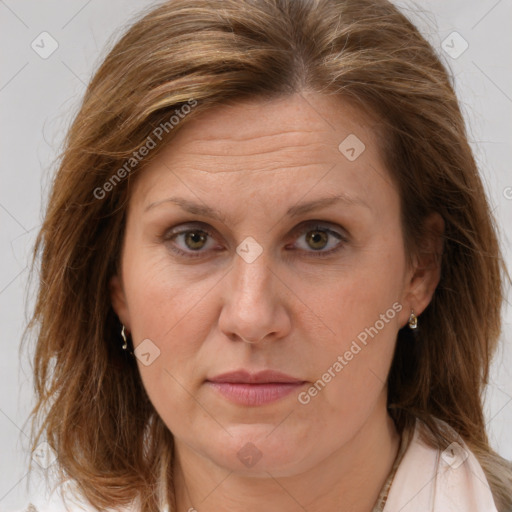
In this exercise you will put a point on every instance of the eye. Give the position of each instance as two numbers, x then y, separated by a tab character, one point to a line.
319	237
197	240
193	240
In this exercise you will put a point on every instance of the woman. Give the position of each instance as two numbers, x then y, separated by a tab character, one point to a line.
270	278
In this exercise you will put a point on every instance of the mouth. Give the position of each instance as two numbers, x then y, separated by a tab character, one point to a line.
254	389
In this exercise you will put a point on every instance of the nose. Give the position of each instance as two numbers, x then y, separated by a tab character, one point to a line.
247	341
254	302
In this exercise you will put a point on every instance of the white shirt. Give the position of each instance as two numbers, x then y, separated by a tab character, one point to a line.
431	480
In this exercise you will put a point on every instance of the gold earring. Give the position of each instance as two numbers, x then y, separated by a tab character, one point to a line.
413	321
123	335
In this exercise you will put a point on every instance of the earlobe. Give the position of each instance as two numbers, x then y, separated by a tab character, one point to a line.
118	299
427	269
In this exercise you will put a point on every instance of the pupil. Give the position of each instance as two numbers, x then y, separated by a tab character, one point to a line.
196	238
316	238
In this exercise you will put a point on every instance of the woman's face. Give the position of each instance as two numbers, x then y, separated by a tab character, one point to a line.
254	265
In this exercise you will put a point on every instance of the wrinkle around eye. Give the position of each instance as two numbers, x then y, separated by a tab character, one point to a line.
332	233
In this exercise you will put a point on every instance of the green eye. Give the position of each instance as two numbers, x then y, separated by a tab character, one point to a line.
318	237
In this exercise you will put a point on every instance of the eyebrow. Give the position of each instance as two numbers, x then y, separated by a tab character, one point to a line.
294	211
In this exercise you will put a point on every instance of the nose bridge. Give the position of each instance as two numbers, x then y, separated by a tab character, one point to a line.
252	277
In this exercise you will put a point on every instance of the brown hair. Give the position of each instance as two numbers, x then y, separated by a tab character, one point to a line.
91	405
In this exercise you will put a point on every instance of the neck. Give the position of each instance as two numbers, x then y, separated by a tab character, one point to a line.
350	479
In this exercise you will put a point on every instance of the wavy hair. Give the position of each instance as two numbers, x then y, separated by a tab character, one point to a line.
91	405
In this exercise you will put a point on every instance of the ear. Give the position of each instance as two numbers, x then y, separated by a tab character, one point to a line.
118	299
425	273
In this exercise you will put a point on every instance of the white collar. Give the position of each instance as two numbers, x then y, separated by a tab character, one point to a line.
431	480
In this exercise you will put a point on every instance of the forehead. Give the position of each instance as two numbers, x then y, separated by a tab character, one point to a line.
261	142
272	124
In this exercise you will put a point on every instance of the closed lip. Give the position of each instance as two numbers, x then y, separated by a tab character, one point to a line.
262	377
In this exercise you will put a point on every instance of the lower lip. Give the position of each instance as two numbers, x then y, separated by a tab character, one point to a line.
255	394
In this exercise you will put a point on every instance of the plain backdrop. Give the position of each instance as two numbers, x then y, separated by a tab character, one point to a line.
39	96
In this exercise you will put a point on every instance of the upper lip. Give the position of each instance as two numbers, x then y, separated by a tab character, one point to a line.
265	376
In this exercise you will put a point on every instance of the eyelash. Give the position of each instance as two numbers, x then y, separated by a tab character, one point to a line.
314	226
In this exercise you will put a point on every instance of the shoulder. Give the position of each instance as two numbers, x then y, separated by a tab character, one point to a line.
64	498
431	480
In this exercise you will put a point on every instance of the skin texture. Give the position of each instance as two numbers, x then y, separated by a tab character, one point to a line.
252	161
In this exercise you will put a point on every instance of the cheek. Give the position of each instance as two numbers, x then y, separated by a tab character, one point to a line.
165	308
161	299
362	291
361	314
171	315
351	372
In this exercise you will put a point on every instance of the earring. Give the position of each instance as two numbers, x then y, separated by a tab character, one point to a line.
123	335
413	321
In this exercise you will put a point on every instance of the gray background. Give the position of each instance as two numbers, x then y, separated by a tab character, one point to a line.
38	98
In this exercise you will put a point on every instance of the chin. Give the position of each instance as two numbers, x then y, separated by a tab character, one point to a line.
258	450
